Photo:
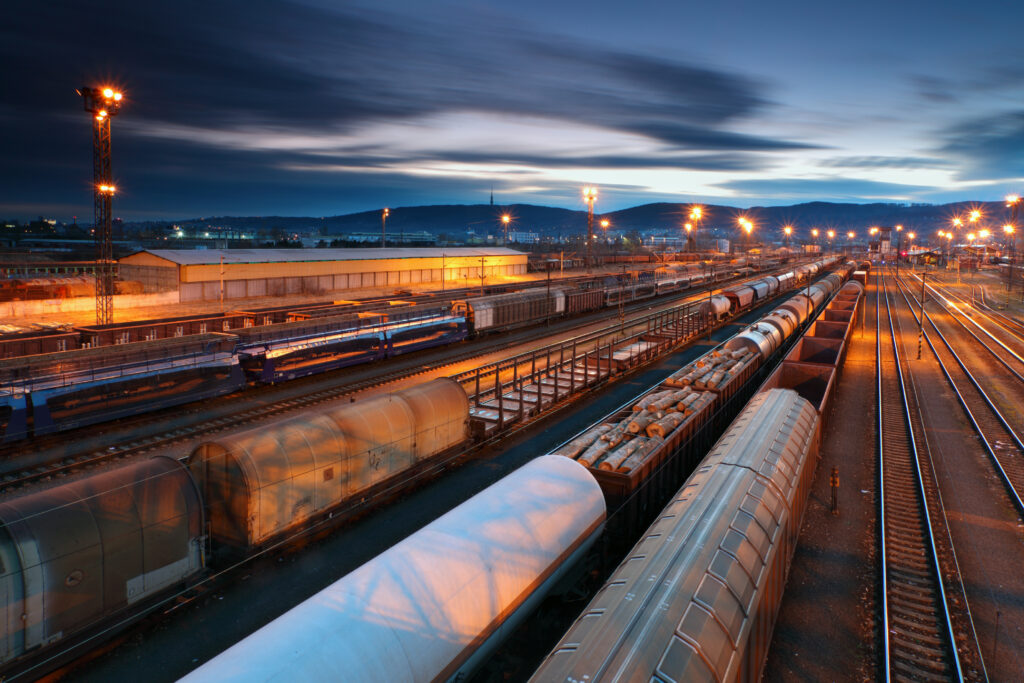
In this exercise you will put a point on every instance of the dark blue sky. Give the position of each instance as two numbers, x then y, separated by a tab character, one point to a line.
320	108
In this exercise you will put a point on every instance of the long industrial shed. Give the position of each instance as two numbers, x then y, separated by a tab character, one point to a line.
198	275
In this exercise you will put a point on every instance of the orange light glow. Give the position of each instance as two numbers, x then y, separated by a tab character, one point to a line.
605	223
505	219
957	222
689	227
1012	199
831	234
696	212
814	232
118	96
983	234
108	93
788	230
975	215
851	234
911	235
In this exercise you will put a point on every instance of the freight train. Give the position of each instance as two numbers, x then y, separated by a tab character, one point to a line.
697	597
97	549
477	567
183	360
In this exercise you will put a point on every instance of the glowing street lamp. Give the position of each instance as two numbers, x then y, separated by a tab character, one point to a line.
787	230
1010	230
504	223
831	236
696	214
747	227
383	231
590	196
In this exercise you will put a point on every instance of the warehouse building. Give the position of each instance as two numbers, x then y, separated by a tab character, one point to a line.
200	275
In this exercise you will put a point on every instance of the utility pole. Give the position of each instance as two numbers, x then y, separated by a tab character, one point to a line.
920	322
102	103
383	233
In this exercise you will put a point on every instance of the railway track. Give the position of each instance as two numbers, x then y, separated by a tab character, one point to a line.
919	642
1000	440
22	476
1001	341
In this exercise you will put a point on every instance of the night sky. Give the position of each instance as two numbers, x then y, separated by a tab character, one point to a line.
321	108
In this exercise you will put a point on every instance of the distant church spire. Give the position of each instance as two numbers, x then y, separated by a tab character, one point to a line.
492	195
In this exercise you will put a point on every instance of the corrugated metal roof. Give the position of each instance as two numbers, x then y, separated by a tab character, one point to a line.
197	257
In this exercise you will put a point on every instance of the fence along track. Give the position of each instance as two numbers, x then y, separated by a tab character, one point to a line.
918	641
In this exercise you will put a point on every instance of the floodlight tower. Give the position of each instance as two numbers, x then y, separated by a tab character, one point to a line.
102	103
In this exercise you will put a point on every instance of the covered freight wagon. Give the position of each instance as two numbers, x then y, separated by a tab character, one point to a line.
266	481
511	310
432	607
77	553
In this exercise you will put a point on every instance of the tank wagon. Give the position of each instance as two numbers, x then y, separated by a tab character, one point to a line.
697	597
737	298
433	606
78	554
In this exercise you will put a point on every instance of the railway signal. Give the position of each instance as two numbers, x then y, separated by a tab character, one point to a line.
103	104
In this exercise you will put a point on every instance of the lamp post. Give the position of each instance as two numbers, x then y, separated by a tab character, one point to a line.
504	223
589	195
605	223
102	104
831	236
747	228
983	236
696	214
787	231
849	240
899	249
1009	230
814	233
1013	202
383	230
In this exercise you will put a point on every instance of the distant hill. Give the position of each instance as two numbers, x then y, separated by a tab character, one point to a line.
454	220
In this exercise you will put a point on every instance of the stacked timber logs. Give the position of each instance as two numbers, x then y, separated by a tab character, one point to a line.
626	444
713	370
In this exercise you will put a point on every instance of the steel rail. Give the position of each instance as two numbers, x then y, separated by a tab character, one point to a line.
994	458
947	304
904	577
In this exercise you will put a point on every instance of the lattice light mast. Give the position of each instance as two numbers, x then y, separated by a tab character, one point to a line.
103	104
